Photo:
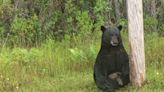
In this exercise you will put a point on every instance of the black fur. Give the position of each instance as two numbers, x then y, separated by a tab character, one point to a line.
111	58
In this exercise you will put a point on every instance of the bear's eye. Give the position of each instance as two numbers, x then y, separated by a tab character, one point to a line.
116	35
112	34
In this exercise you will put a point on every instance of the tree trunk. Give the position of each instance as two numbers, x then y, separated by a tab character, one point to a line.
117	10
136	42
124	9
153	8
107	14
153	12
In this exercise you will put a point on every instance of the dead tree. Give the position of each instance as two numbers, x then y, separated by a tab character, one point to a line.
136	42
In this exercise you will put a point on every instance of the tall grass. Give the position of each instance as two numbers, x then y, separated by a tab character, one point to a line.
67	66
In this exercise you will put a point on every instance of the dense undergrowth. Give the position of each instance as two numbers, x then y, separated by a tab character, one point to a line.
67	65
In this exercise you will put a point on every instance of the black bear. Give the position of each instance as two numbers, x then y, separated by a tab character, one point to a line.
111	69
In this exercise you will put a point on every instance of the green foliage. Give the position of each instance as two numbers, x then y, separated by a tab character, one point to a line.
162	1
78	54
6	12
99	9
162	27
123	22
149	23
25	31
38	20
84	22
2	2
101	6
67	65
83	55
25	57
2	30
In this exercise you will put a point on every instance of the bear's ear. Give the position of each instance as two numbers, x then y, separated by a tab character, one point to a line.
119	27
103	28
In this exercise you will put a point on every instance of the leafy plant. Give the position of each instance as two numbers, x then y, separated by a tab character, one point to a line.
149	23
25	31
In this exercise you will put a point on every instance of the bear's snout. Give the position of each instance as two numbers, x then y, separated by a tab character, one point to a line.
114	41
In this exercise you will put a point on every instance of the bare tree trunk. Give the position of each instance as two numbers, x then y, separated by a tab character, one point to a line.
117	10
107	14
153	8
136	42
153	12
16	3
124	9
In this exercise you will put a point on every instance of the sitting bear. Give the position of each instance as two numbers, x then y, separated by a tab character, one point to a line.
112	58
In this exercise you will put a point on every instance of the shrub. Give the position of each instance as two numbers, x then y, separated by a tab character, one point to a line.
150	23
25	31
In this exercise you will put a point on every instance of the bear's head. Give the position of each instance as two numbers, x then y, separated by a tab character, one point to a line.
111	36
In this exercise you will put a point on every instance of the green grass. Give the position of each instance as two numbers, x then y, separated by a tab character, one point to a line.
67	66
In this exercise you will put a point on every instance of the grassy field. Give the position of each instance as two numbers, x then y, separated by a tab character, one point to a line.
67	66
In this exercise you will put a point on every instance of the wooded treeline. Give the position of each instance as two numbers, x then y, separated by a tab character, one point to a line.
29	22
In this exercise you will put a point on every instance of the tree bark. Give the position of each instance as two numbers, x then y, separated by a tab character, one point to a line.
153	12
107	16
117	10
136	42
125	9
153	8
